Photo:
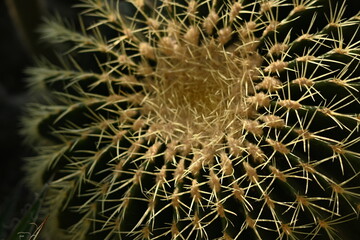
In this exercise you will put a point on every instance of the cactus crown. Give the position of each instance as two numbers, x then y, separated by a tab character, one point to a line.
201	119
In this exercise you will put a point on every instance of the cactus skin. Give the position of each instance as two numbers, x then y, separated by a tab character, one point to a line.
201	120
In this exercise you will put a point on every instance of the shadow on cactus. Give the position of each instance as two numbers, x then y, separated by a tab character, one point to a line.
200	120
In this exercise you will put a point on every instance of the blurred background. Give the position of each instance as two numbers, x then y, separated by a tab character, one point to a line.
19	47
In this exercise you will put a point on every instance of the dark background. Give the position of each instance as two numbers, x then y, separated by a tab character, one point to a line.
19	47
14	58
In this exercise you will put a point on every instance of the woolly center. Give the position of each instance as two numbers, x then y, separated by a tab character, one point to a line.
203	87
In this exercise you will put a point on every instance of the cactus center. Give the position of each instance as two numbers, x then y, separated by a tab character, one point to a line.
202	87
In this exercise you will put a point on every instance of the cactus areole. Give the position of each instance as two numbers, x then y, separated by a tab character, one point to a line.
183	119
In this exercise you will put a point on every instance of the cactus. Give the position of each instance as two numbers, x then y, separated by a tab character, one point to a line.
183	119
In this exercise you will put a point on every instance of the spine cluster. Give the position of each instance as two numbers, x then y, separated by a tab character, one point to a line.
184	119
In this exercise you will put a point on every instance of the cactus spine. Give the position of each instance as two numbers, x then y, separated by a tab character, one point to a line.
200	119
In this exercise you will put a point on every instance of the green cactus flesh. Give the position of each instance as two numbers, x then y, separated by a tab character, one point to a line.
185	119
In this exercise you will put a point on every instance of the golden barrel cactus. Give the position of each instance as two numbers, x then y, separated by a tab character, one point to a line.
208	119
